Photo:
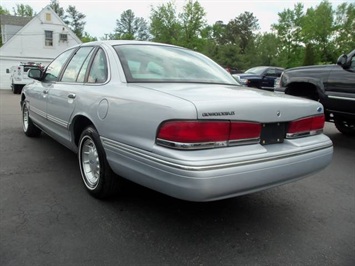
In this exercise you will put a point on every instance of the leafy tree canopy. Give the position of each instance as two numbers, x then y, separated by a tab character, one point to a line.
23	10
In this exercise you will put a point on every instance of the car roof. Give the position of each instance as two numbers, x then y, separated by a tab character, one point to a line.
120	42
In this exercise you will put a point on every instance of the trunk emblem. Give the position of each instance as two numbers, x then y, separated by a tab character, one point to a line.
278	113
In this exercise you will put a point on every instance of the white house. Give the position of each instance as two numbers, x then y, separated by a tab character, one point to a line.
39	39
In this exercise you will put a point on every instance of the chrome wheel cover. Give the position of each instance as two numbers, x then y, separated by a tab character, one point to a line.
89	162
25	118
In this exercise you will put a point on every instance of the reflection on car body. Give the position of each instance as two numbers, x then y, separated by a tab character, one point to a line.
138	110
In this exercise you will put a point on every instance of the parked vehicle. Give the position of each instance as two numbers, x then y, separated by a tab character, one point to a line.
171	119
262	77
19	75
332	85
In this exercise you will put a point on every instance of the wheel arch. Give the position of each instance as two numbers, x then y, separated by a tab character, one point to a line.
23	98
305	88
79	123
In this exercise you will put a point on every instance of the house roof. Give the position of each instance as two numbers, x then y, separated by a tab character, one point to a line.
36	23
14	20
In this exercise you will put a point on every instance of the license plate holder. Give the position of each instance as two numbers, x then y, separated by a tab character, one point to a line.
272	133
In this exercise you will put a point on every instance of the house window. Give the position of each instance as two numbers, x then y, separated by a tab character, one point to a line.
63	37
48	38
48	17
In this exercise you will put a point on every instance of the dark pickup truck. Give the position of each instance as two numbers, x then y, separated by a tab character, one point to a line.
332	85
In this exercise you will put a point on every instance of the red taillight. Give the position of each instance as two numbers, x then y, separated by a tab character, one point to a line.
306	126
244	130
192	131
207	134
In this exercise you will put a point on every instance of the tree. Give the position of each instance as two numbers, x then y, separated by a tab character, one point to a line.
318	29
4	11
75	20
192	23
266	52
130	27
288	30
165	26
88	38
54	4
309	56
23	11
219	34
241	30
344	26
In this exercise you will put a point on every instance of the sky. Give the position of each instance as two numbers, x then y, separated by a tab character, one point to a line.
101	15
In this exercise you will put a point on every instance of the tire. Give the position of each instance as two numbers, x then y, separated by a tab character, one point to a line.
30	129
16	89
345	127
98	178
13	88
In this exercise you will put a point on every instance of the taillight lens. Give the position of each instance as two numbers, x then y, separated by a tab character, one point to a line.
244	130
306	126
192	131
207	134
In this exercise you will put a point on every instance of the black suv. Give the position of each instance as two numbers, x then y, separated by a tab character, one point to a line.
332	85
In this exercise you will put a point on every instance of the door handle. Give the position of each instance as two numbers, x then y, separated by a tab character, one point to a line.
71	96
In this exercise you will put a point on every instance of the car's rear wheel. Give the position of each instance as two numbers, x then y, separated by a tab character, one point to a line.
30	129
98	178
345	127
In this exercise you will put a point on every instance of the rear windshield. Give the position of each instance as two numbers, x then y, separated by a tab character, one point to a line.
156	63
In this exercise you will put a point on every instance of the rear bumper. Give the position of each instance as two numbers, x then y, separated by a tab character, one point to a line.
214	181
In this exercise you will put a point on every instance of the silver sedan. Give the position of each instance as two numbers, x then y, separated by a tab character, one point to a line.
173	120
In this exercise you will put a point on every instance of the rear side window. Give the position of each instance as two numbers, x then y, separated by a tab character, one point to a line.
352	65
72	71
98	71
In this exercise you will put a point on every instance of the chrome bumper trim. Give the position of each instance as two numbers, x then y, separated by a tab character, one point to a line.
115	145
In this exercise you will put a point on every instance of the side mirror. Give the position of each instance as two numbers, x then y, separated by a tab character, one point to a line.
35	74
342	60
7	70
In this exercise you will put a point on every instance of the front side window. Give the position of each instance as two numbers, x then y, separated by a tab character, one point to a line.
98	71
54	69
48	38
72	71
156	63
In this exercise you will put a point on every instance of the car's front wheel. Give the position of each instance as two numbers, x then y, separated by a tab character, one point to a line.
30	129
95	171
345	127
